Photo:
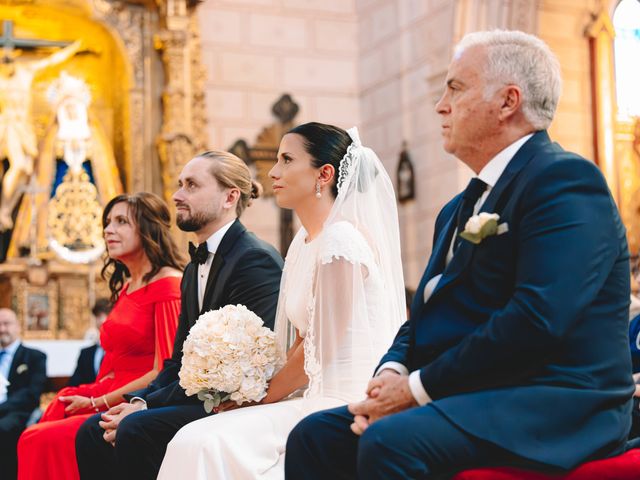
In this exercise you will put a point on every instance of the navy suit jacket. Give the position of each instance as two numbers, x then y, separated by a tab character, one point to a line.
27	378
245	270
85	371
524	341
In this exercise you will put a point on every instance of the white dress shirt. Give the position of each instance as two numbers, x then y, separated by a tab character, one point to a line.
5	366
213	242
490	175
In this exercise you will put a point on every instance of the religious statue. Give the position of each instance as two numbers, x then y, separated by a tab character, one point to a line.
70	98
76	176
17	137
75	214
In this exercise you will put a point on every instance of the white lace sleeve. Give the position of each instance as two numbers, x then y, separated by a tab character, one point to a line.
346	334
284	330
357	301
342	240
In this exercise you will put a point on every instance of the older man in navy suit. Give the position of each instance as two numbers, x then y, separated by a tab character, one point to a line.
25	371
516	351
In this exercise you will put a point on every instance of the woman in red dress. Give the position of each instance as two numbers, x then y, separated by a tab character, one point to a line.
137	335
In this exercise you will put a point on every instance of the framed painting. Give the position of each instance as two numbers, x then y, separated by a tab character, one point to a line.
37	308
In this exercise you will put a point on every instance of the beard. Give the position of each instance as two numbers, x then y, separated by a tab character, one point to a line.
196	221
5	340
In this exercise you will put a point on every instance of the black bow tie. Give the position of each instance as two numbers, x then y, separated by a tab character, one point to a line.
198	254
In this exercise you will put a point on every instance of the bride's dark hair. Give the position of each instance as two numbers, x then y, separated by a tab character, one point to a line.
326	144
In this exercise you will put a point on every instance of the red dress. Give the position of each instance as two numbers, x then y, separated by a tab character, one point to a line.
138	332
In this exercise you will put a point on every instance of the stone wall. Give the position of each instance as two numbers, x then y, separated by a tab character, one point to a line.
404	53
256	50
381	65
562	24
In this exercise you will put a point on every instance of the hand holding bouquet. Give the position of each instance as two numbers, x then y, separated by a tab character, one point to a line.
229	355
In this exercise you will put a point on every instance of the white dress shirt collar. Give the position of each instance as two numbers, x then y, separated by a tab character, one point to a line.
213	242
5	368
11	349
493	170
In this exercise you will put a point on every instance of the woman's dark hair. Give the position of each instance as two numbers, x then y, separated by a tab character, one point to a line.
102	306
152	219
326	144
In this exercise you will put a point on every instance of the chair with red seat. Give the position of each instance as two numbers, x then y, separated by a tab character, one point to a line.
622	467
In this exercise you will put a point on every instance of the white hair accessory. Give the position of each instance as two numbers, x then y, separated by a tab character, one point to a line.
348	161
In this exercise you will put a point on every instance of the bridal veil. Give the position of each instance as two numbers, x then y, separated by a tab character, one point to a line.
357	301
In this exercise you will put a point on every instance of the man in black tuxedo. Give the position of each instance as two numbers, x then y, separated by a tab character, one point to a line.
230	266
25	370
91	357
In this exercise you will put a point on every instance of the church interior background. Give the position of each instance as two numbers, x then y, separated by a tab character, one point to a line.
99	97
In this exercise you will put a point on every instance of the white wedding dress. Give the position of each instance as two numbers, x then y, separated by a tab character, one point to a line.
343	293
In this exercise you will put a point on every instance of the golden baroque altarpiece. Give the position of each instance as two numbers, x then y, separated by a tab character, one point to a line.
616	137
111	100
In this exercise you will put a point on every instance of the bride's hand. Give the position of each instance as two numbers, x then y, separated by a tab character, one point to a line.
231	405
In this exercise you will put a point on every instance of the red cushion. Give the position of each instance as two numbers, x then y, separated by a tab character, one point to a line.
622	467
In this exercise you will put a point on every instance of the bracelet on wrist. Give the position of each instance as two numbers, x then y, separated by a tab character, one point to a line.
93	404
104	399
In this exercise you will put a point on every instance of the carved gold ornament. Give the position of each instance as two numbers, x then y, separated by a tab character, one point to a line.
75	220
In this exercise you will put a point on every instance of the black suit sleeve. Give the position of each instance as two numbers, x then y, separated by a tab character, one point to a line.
84	372
27	396
256	284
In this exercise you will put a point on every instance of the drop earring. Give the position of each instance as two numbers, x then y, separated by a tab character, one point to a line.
318	192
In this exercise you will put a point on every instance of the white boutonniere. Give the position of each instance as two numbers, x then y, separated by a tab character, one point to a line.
22	368
483	225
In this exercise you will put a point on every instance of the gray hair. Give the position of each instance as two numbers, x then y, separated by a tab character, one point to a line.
524	60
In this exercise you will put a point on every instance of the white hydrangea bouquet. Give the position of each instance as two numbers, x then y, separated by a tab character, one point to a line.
229	355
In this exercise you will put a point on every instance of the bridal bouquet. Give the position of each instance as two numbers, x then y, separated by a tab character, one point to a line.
229	355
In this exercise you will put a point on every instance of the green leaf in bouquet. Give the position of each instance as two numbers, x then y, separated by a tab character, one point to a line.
489	228
474	238
208	405
204	395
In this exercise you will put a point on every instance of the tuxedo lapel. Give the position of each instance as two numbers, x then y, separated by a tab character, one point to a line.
192	293
464	252
216	265
228	241
18	359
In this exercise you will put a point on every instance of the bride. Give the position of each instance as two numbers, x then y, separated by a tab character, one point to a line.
341	302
